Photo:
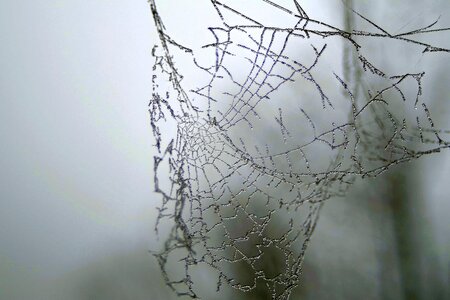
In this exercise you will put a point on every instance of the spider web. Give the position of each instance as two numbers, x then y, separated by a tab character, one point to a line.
244	164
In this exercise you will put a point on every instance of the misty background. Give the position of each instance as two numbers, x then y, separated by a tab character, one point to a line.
77	208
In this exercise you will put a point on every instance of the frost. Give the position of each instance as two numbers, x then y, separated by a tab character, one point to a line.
250	160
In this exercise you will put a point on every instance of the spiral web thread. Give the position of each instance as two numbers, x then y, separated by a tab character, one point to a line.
231	195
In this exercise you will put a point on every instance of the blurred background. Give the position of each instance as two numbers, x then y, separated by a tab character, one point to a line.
77	208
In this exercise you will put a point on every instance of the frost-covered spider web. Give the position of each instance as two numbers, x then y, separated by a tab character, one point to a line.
255	129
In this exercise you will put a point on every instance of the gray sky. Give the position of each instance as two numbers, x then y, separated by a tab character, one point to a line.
76	146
